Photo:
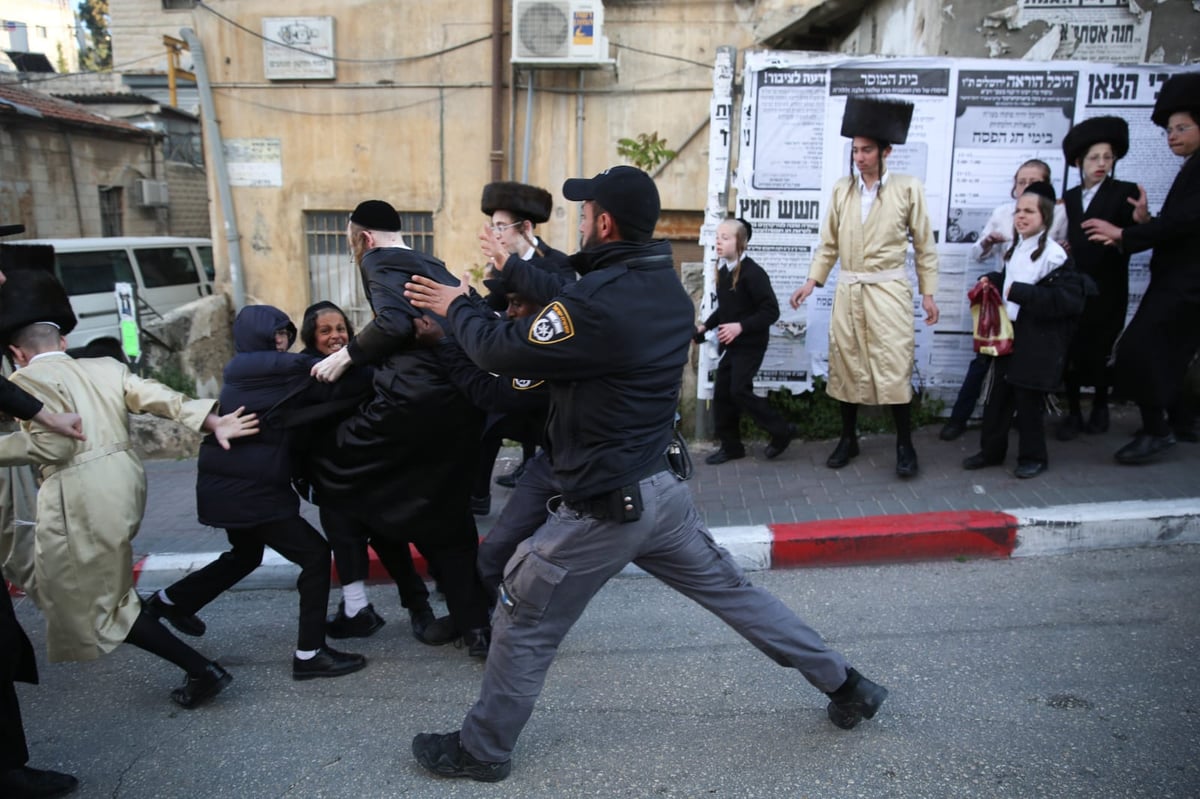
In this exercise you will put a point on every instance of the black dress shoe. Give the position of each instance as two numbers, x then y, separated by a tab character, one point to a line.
857	699
438	632
328	662
24	782
362	624
186	623
197	690
846	449
1186	434
510	480
723	455
906	461
1144	448
443	755
1097	420
1029	469
420	619
478	641
979	461
1068	429
778	444
481	506
952	430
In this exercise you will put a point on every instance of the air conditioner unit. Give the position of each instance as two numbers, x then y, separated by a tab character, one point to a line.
151	193
559	33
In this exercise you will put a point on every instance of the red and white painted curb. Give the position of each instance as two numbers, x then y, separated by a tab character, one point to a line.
873	539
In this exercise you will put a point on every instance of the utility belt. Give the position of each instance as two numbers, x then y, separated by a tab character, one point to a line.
622	504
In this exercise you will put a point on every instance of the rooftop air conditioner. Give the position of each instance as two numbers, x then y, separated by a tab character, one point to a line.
151	193
559	33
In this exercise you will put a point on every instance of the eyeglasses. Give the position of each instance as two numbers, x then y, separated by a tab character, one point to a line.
1180	129
502	228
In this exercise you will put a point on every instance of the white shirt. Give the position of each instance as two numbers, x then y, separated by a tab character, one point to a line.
1021	268
868	195
1087	195
1001	223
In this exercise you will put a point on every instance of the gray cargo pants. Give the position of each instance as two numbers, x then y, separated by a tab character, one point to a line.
555	573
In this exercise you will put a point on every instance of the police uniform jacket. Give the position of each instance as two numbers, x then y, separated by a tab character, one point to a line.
553	265
1104	315
614	385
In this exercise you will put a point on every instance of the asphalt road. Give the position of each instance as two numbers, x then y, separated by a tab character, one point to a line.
1072	676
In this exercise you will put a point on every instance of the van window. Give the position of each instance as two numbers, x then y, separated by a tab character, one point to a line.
206	261
166	266
93	272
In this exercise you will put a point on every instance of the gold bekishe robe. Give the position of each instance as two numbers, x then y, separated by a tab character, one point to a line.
92	496
871	341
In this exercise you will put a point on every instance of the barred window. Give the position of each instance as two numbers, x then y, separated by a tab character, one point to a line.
112	210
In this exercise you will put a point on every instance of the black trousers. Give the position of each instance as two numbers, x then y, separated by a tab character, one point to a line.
16	662
296	540
1003	401
523	427
348	539
733	395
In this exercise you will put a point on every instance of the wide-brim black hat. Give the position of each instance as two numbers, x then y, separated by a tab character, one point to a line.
1180	93
519	199
881	120
33	295
1113	131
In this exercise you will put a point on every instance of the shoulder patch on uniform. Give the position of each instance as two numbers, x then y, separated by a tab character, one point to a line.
524	384
552	325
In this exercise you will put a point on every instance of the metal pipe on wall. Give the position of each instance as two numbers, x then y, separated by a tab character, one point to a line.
528	126
497	154
579	143
220	170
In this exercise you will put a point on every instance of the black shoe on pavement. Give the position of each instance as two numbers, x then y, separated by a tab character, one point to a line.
24	782
857	699
361	625
186	623
197	690
1187	434
1144	448
846	449
478	641
481	506
1097	420
906	461
778	444
420	619
952	430
979	461
1068	429
724	455
443	755
438	632
1029	469
328	662
510	480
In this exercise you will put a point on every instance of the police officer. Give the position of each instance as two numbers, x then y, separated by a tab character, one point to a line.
612	348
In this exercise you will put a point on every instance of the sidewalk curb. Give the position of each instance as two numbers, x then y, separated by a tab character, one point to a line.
942	535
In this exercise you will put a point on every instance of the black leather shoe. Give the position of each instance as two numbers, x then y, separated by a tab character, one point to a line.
1186	434
906	461
478	641
328	662
846	449
481	506
1097	420
1029	469
420	619
952	430
24	782
723	455
438	632
197	690
1144	448
443	755
979	461
362	624
510	480
778	444
186	623
1068	429
857	699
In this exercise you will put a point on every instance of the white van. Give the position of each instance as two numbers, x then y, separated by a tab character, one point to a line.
166	272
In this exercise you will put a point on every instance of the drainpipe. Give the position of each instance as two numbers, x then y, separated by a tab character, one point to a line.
497	89
579	145
528	143
220	171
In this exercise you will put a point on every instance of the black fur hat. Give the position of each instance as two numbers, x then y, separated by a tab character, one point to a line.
33	295
14	257
1109	130
1180	93
520	199
881	120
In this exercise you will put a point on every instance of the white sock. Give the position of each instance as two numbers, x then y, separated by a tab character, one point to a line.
162	594
306	654
354	596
